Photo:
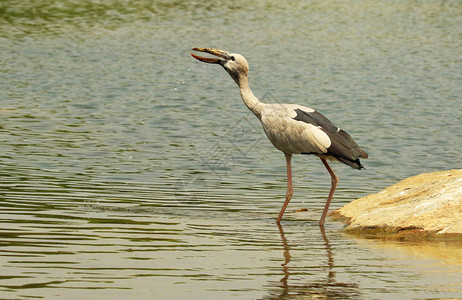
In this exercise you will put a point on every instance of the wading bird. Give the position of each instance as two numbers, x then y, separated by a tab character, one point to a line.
292	128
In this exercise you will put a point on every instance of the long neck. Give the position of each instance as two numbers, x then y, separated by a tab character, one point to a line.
248	97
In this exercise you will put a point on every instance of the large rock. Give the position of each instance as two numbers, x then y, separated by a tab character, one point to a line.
429	204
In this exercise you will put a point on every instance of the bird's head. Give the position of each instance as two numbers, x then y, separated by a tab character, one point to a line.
235	64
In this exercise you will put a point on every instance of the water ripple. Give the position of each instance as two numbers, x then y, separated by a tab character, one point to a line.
131	171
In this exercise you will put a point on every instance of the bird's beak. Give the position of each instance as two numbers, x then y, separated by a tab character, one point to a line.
223	54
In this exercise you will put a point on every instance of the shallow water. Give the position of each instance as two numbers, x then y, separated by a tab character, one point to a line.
131	170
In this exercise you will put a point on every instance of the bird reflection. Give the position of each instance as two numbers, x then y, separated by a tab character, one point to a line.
330	259
328	288
287	256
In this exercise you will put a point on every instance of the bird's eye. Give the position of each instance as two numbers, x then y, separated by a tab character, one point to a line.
232	58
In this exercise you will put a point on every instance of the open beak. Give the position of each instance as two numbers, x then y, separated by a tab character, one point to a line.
220	53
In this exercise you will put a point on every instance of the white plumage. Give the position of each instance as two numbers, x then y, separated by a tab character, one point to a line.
289	135
292	128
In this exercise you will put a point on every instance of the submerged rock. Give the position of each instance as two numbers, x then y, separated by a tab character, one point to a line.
428	204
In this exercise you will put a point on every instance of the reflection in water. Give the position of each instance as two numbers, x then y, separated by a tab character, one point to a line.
287	256
328	288
104	131
440	251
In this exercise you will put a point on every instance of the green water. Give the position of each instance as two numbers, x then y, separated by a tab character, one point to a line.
130	170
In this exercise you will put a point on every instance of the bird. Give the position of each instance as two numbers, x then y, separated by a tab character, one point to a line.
291	128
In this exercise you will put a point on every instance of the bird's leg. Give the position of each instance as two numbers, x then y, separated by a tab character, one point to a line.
331	193
290	190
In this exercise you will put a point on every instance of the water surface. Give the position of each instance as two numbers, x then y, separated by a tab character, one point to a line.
128	169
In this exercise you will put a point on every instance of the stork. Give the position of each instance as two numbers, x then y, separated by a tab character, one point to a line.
292	128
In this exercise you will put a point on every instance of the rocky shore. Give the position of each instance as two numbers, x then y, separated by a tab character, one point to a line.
428	204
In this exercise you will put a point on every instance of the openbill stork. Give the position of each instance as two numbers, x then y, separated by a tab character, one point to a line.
292	128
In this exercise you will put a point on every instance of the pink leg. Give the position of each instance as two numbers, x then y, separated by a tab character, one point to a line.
331	193
290	190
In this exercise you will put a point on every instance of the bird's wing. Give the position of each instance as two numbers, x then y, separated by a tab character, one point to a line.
315	118
342	147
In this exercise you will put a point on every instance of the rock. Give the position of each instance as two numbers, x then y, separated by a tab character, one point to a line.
427	204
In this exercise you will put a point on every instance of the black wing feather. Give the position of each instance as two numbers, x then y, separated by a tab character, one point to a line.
315	118
342	147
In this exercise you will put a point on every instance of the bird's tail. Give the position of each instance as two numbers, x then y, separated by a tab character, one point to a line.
363	154
355	164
